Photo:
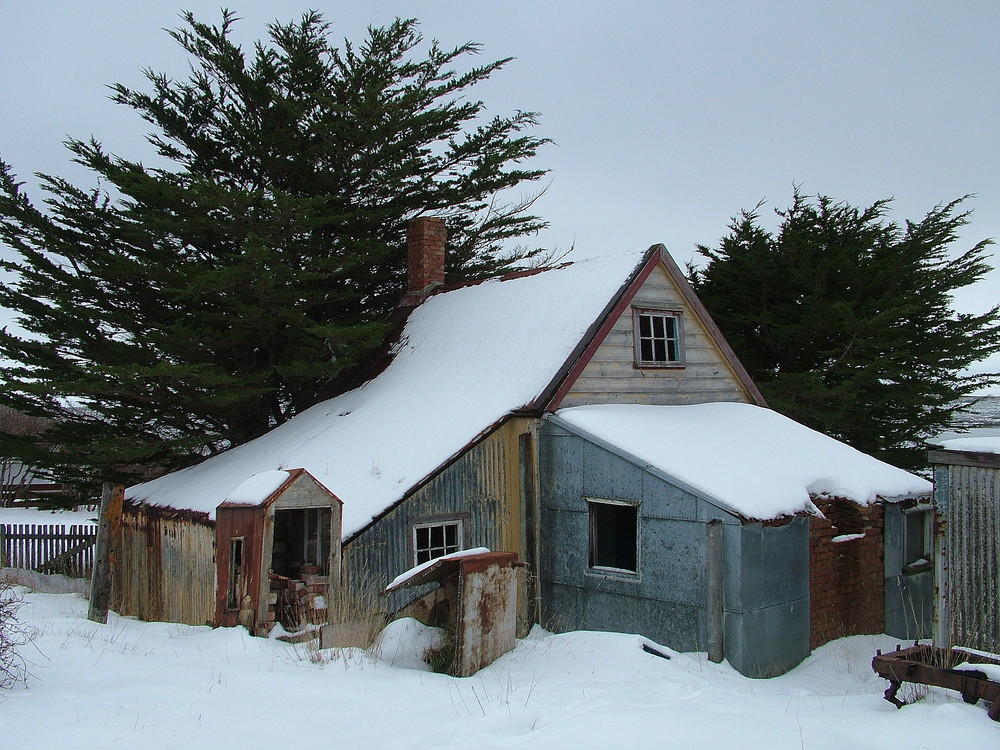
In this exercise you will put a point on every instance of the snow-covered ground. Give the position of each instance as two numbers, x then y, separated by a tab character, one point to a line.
48	517
155	685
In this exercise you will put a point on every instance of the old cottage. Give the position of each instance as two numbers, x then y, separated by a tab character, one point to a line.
468	432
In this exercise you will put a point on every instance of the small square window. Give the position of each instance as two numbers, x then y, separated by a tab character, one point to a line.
917	538
658	340
433	540
614	530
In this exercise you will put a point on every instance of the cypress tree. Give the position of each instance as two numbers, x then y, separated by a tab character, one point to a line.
844	319
174	311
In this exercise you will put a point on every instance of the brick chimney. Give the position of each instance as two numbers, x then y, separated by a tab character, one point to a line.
425	238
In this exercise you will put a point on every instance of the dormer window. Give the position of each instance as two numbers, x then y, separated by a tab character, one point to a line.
658	338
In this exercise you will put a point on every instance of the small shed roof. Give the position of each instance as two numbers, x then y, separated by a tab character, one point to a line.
976	444
744	458
441	567
466	359
258	487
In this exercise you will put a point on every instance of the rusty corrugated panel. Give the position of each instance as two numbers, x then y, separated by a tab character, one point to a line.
165	567
245	523
487	624
973	551
476	486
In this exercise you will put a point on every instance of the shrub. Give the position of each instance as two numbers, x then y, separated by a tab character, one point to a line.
13	635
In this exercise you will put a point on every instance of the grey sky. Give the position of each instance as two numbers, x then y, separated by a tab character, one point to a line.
667	117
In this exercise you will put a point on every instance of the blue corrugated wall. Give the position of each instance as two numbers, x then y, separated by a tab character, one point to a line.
766	580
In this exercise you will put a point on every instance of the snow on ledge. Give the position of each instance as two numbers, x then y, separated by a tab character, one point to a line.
417	569
847	538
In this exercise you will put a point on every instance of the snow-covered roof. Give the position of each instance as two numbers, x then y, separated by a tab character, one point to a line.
983	444
257	488
750	460
466	359
408	575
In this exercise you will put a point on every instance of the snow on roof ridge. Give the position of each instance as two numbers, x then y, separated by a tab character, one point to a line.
466	359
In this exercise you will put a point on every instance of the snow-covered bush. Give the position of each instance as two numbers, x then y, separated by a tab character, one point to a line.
13	635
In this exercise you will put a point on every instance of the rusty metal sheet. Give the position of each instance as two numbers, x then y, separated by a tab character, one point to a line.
165	566
487	624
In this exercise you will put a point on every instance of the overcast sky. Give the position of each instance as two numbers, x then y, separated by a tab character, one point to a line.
667	117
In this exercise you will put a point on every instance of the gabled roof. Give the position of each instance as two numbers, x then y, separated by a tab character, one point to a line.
748	460
264	487
656	256
466	360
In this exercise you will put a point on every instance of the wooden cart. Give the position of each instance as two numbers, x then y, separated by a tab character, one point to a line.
931	665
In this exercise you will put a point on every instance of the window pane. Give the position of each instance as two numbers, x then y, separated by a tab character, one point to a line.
659	329
913	537
658	338
659	351
433	541
646	350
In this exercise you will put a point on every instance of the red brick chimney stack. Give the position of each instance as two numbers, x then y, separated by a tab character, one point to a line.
425	238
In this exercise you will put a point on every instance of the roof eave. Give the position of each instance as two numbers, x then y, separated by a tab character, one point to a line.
557	388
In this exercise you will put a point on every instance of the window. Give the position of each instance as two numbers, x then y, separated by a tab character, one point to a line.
917	536
658	341
433	540
236	588
614	527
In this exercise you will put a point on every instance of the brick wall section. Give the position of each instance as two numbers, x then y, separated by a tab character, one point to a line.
425	238
846	579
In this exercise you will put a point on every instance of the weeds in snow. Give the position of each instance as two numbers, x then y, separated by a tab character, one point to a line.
13	635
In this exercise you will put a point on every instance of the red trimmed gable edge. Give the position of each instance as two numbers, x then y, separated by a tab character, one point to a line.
552	397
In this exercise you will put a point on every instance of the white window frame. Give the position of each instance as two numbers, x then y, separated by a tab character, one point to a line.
592	540
673	319
445	548
925	559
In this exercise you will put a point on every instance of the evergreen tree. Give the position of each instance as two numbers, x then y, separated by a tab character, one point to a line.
843	318
175	311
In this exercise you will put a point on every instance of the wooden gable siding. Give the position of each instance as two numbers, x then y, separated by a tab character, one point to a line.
610	376
481	486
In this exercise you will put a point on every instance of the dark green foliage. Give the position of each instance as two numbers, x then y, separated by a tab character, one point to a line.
177	310
843	319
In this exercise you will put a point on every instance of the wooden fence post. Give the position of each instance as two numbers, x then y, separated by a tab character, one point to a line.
104	556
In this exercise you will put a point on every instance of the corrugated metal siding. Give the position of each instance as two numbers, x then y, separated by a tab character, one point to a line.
972	539
477	484
165	568
766	584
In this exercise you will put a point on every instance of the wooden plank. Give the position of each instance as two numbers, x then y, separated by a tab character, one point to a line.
100	589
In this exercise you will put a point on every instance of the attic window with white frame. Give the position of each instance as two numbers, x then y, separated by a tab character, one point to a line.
658	338
614	535
433	540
